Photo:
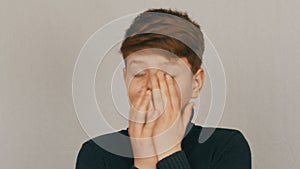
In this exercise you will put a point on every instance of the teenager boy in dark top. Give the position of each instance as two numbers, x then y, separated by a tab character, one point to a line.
163	55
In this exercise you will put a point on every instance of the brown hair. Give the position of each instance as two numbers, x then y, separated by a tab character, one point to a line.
152	30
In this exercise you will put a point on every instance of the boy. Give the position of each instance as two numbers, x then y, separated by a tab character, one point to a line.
163	55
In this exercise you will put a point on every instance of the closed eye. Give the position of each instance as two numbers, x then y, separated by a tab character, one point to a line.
139	74
143	73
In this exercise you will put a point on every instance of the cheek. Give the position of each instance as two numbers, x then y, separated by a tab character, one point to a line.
134	87
184	87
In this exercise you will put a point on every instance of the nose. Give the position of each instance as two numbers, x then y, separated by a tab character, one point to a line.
152	73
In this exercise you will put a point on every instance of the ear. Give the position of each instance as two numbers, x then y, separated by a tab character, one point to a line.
124	73
198	81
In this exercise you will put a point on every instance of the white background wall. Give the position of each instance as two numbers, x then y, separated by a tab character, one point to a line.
258	42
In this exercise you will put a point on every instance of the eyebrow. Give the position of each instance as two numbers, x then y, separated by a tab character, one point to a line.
136	62
142	62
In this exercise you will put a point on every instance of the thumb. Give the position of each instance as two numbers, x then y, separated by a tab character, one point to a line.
187	112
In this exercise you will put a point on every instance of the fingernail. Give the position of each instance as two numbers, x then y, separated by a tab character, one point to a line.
160	74
168	77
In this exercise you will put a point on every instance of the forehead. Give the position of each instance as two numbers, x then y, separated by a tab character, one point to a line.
155	59
151	59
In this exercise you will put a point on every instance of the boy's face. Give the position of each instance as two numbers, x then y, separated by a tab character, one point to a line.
142	67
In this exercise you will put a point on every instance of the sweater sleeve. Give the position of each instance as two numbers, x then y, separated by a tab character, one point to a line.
236	154
177	160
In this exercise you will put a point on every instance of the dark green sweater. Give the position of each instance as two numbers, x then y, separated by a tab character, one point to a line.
224	149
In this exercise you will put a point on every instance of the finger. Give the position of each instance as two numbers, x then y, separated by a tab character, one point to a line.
174	97
142	115
143	107
156	95
138	115
152	114
164	89
139	98
150	110
154	83
150	123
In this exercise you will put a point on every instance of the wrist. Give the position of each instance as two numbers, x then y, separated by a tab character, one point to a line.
148	162
169	152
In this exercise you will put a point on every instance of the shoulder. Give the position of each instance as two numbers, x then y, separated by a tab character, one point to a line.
218	134
225	146
96	152
115	142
